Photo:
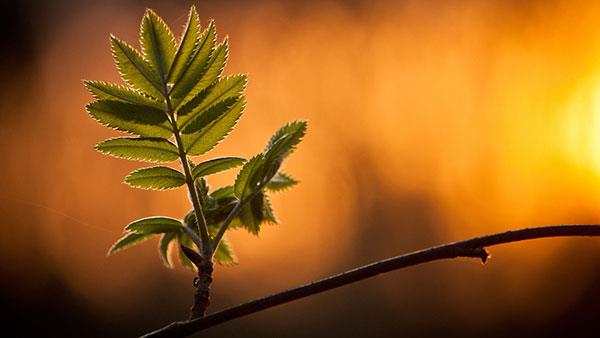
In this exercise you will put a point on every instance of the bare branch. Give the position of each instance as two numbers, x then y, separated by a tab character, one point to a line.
474	247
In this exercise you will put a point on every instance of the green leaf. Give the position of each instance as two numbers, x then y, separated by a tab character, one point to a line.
135	119
154	225
210	115
185	240
155	178
110	91
142	149
224	254
196	69
281	181
222	192
216	165
268	214
136	71
252	214
214	69
208	137
282	143
249	177
163	247
127	241
158	44
224	90
187	46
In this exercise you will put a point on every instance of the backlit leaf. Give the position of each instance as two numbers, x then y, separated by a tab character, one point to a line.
127	241
249	177
110	91
282	144
136	71
208	137
188	43
226	191
224	254
186	84
135	119
281	181
216	165
158	44
185	240
154	225
155	178
142	149
227	88
164	245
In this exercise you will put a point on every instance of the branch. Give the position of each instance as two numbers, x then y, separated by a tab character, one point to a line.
474	247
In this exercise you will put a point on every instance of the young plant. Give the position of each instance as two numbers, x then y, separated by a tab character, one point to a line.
177	104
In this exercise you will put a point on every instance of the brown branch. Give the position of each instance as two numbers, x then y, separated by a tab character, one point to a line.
474	247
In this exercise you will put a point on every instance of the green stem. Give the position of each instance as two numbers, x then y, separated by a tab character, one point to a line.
205	248
231	216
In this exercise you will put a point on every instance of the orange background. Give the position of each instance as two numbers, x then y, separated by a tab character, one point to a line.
429	121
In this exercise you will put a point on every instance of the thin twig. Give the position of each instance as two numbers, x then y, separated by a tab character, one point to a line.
474	247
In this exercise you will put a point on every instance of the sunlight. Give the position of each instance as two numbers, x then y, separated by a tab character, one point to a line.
582	128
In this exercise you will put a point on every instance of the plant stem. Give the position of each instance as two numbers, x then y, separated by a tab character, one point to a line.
231	216
205	248
474	247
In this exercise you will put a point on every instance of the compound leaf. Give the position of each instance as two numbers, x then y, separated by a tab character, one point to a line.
155	178
149	149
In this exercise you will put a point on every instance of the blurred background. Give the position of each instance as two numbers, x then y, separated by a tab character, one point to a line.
430	121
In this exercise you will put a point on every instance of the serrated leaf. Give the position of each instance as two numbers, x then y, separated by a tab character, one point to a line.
208	137
222	192
136	71
281	181
214	69
196	69
143	149
209	115
251	215
187	45
154	225
158	44
163	247
224	254
281	144
131	118
225	90
127	241
216	165
268	213
185	240
249	177
110	91
155	178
